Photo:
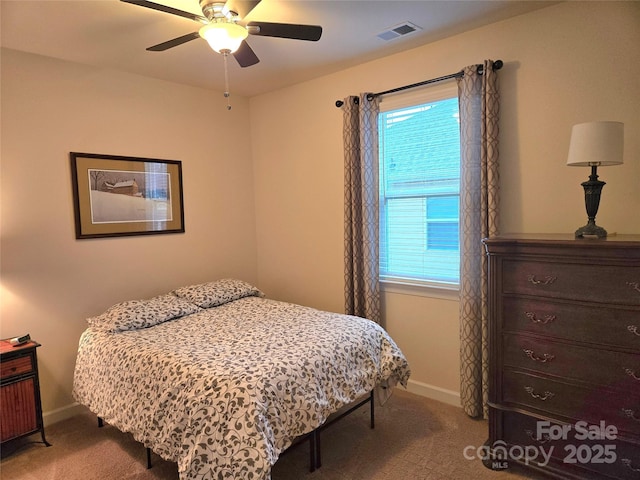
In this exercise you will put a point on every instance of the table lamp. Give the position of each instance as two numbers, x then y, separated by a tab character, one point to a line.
595	144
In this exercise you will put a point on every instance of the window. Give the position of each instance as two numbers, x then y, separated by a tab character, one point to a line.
420	189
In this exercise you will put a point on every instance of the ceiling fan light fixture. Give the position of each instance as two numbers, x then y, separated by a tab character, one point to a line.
224	37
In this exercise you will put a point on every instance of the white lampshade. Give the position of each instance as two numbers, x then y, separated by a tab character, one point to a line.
596	143
224	37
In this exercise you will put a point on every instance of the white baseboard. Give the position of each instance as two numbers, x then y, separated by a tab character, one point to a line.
59	414
436	393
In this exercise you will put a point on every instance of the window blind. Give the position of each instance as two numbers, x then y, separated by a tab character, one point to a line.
419	192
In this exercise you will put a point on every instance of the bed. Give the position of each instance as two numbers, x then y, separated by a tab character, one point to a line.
221	380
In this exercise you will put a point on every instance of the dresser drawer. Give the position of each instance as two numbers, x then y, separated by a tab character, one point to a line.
616	326
16	366
567	401
608	284
585	458
617	370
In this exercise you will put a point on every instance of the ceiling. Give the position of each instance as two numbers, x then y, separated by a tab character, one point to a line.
114	35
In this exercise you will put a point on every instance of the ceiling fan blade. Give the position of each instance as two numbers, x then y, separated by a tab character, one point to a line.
242	7
166	9
245	55
311	33
161	47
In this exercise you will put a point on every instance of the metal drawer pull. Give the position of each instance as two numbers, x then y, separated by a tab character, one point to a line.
544	358
546	281
630	414
632	374
544	439
634	285
627	462
544	397
633	329
544	320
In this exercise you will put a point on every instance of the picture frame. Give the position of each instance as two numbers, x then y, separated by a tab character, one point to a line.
120	196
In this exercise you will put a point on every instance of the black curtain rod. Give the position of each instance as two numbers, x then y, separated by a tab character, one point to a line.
497	65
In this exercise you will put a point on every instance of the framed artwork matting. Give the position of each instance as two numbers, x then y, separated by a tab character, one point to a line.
117	196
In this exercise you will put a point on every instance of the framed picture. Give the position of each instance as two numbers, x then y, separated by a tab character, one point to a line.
116	196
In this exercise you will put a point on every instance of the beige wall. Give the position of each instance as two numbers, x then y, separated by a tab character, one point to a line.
565	64
50	281
263	183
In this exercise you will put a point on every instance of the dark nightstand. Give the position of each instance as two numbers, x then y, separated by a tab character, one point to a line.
21	407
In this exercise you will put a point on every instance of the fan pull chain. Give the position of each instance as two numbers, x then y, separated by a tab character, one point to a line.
226	82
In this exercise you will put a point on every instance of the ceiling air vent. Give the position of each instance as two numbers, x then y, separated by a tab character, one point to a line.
400	30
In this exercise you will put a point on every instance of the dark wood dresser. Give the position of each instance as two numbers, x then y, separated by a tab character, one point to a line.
564	341
20	405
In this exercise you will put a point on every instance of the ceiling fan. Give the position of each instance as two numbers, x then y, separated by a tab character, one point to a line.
225	31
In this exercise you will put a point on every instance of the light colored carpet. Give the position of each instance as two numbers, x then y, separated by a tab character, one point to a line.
414	438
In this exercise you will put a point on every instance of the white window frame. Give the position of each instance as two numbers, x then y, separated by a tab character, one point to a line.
442	290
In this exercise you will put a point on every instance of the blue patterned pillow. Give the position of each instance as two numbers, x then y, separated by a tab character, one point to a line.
136	314
212	294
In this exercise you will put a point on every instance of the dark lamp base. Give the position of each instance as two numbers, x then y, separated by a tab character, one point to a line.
592	191
591	230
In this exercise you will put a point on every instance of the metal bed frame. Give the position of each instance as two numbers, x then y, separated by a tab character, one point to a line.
315	457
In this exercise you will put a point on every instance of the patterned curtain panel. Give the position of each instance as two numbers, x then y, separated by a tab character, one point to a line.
479	108
360	134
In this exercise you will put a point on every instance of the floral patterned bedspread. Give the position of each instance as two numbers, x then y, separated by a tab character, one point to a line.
223	391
